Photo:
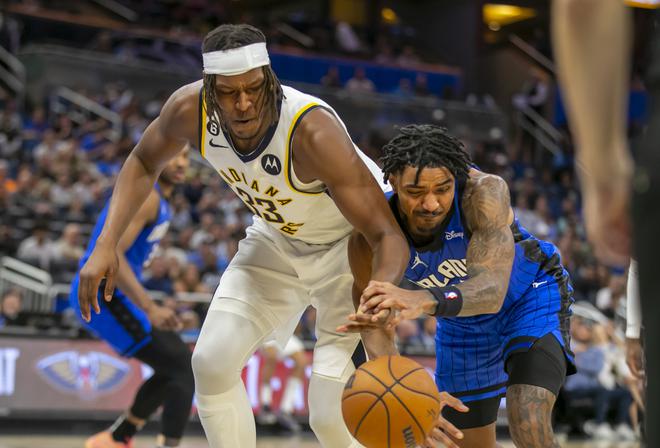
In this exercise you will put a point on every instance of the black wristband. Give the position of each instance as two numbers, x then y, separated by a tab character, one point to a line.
449	301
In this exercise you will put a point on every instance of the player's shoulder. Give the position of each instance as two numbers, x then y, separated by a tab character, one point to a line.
185	97
486	200
180	113
482	183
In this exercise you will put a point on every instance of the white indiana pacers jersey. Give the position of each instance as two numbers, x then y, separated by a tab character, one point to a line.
265	181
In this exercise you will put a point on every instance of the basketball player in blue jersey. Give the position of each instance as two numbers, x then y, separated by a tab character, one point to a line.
501	296
289	158
136	327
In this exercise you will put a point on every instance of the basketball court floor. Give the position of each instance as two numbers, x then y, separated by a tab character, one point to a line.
56	441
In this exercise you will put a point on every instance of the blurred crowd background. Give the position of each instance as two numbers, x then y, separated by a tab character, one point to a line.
65	131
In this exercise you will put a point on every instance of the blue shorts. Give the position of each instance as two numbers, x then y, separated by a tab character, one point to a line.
120	323
472	351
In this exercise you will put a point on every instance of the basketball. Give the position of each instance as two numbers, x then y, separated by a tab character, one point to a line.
390	402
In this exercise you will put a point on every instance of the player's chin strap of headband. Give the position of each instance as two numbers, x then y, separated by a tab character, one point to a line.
235	61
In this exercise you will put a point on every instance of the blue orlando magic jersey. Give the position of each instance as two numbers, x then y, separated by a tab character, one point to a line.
471	351
139	253
121	323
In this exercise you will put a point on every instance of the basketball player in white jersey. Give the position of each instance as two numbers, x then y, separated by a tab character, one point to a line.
289	158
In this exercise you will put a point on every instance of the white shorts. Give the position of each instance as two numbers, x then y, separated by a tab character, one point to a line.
293	345
271	281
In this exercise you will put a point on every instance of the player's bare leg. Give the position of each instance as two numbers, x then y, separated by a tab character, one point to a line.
529	409
481	437
270	358
294	386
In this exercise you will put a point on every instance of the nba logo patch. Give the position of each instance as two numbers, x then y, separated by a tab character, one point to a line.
86	375
451	295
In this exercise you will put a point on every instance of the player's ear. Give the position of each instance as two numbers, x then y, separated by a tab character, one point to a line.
393	180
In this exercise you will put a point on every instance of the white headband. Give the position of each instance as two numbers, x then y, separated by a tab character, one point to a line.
236	61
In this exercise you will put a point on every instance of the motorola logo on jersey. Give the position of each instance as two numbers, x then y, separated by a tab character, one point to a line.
213	127
85	374
271	164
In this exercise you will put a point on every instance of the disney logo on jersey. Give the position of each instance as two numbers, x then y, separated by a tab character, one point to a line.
271	164
451	235
449	271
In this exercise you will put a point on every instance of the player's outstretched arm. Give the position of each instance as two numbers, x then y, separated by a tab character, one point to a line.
165	137
324	151
160	317
377	339
592	42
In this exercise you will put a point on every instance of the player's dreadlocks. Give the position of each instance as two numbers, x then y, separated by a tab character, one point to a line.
228	37
425	146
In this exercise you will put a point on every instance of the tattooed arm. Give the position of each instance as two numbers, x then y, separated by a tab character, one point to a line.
490	253
486	206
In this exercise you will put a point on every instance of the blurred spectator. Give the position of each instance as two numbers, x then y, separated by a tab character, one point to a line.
421	88
62	193
331	79
10	307
404	89
190	322
33	128
10	132
189	281
612	298
408	57
427	336
407	332
69	248
591	381
158	277
384	53
535	92
347	39
203	232
359	82
6	182
37	249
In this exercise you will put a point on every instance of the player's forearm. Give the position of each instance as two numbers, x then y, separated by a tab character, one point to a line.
592	50
390	258
133	186
482	294
378	342
129	284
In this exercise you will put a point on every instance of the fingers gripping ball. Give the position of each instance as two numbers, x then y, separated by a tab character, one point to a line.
390	402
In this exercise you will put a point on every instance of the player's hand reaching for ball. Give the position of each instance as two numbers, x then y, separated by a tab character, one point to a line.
102	264
378	297
443	431
383	305
163	318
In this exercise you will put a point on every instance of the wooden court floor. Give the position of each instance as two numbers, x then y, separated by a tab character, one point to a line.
57	441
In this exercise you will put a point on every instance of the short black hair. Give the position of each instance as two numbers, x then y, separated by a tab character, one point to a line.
425	146
227	37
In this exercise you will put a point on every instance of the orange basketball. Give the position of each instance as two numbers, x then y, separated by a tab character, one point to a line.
390	402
